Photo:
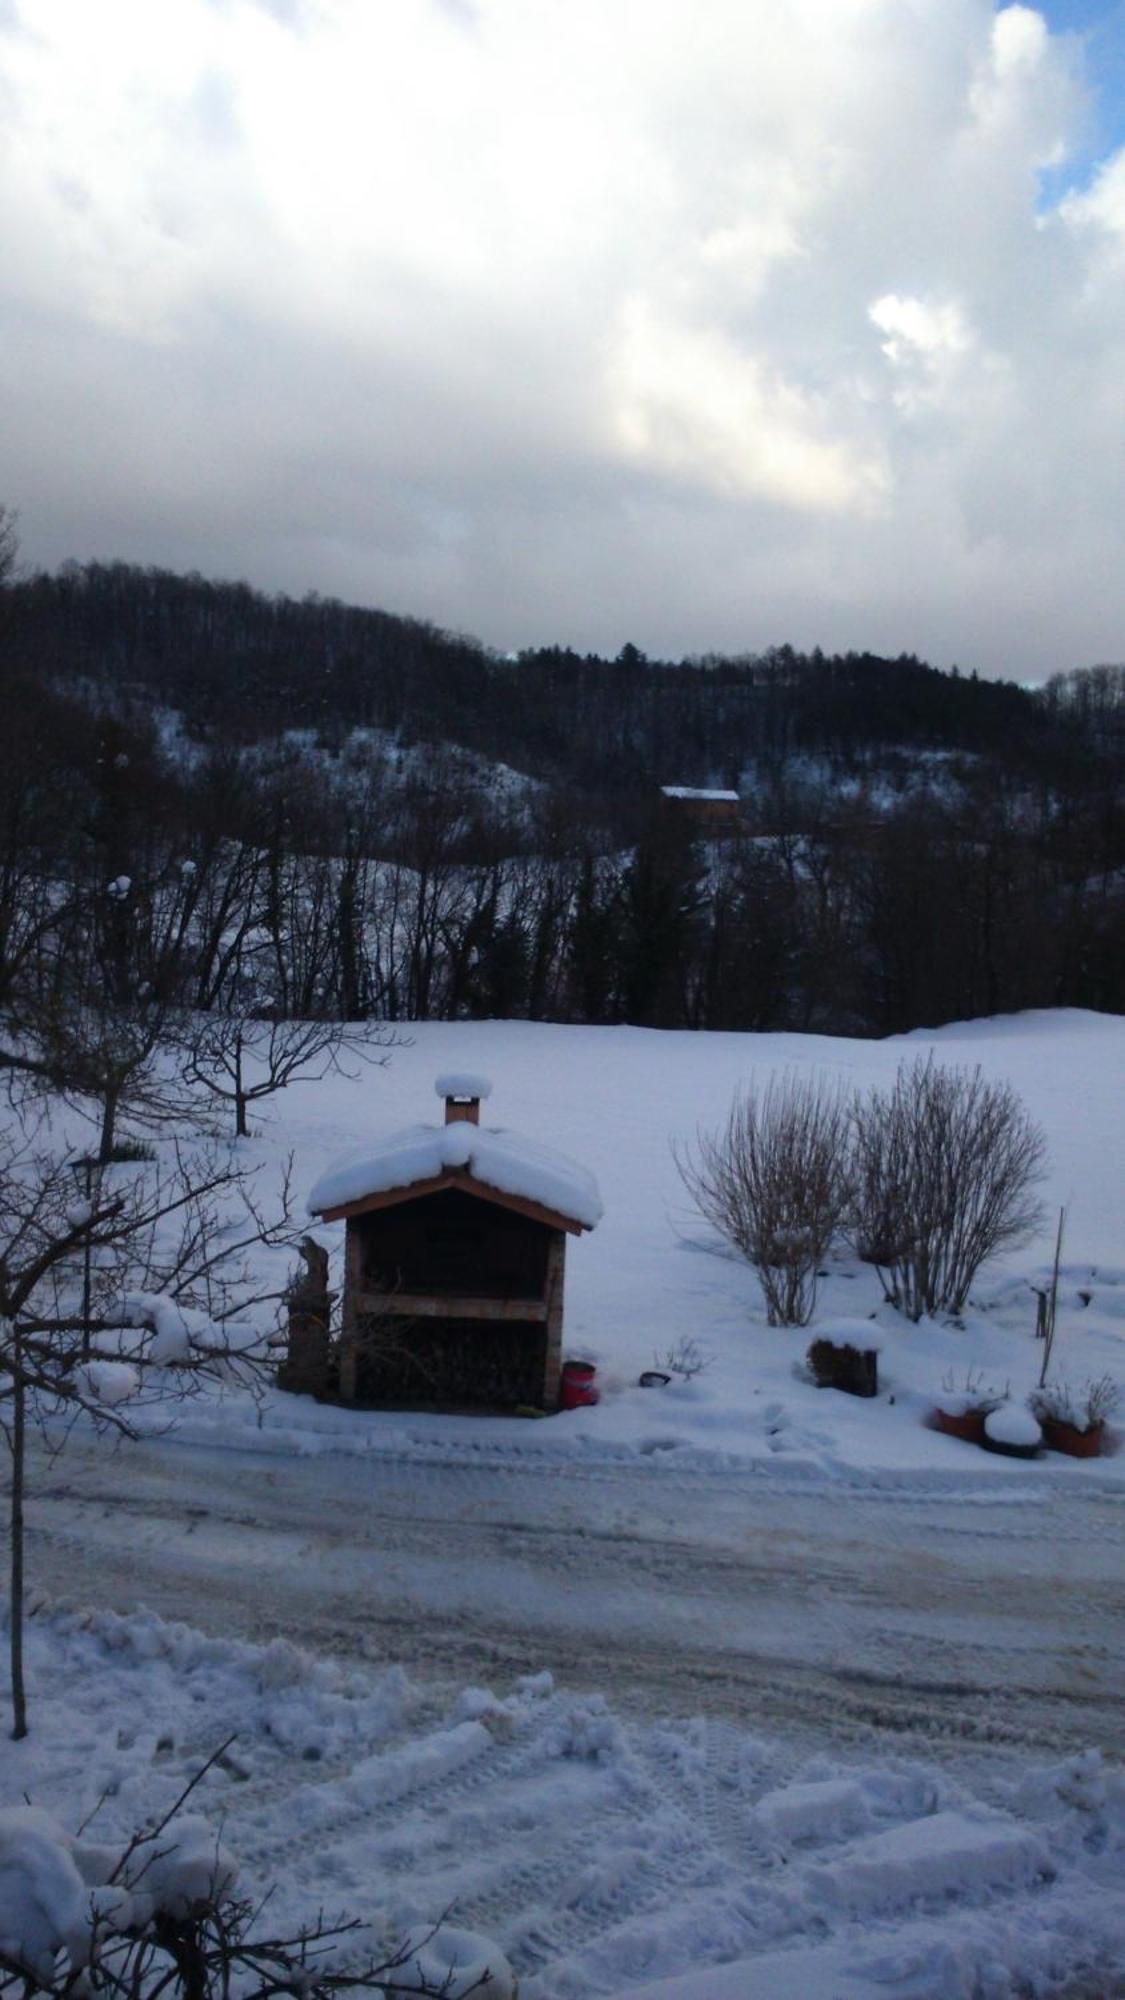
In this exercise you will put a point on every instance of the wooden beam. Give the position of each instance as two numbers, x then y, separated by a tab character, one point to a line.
467	1184
353	1273
419	1305
552	1361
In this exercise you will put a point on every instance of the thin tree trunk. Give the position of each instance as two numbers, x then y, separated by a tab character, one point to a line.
241	1128
19	1698
109	1125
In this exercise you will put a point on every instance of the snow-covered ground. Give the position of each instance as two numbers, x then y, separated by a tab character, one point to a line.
602	1851
651	1274
833	1703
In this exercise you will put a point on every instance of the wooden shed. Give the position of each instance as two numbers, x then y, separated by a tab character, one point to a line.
709	813
454	1261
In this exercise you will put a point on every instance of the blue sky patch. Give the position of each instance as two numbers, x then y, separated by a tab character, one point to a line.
1101	24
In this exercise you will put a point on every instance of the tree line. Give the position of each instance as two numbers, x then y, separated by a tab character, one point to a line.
236	660
914	847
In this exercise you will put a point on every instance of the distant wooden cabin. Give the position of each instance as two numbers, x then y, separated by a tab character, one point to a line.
455	1255
707	812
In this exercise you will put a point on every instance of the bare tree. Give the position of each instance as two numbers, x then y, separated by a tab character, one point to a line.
241	1059
116	1057
945	1165
773	1182
115	1290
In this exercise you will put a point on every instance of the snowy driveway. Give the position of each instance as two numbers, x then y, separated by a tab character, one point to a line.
822	1739
834	1616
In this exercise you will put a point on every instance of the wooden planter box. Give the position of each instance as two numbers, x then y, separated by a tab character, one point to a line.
1058	1436
969	1426
855	1370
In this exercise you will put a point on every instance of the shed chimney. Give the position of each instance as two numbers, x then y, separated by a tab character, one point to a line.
463	1096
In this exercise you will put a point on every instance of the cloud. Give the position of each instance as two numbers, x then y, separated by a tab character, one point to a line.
694	404
1102	206
594	319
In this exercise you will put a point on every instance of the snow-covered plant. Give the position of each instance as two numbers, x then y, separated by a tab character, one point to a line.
164	1919
975	1394
1083	1407
943	1172
685	1358
773	1181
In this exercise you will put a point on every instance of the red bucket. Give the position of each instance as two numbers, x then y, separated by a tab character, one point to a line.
578	1389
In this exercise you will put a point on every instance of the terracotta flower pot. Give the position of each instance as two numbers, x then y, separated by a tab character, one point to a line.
969	1426
1058	1436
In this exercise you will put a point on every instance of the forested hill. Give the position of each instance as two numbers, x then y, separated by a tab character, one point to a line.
240	663
329	833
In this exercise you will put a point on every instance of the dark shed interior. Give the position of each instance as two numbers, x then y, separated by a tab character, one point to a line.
453	1244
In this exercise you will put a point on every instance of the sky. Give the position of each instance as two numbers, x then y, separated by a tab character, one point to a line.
700	327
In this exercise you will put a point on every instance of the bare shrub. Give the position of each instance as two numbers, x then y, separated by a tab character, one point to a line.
165	1919
685	1358
773	1182
944	1165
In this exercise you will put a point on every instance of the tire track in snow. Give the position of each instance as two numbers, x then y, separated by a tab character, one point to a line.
721	1594
492	1766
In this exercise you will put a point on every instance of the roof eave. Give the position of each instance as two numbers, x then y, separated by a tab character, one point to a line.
466	1183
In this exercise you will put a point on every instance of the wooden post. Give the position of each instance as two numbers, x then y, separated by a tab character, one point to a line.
305	1370
556	1271
349	1333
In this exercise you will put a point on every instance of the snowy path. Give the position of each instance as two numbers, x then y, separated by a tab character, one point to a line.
838	1617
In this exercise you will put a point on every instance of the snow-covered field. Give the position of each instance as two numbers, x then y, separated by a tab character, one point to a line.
737	1686
651	1273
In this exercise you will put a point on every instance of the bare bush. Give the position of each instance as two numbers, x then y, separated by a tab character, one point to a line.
165	1919
773	1181
685	1358
944	1167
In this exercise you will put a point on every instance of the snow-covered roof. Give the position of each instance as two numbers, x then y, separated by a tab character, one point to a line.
690	792
461	1084
506	1162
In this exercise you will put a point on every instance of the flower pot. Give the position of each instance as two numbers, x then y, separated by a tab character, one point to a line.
578	1387
1005	1450
1058	1436
654	1378
969	1426
1012	1431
